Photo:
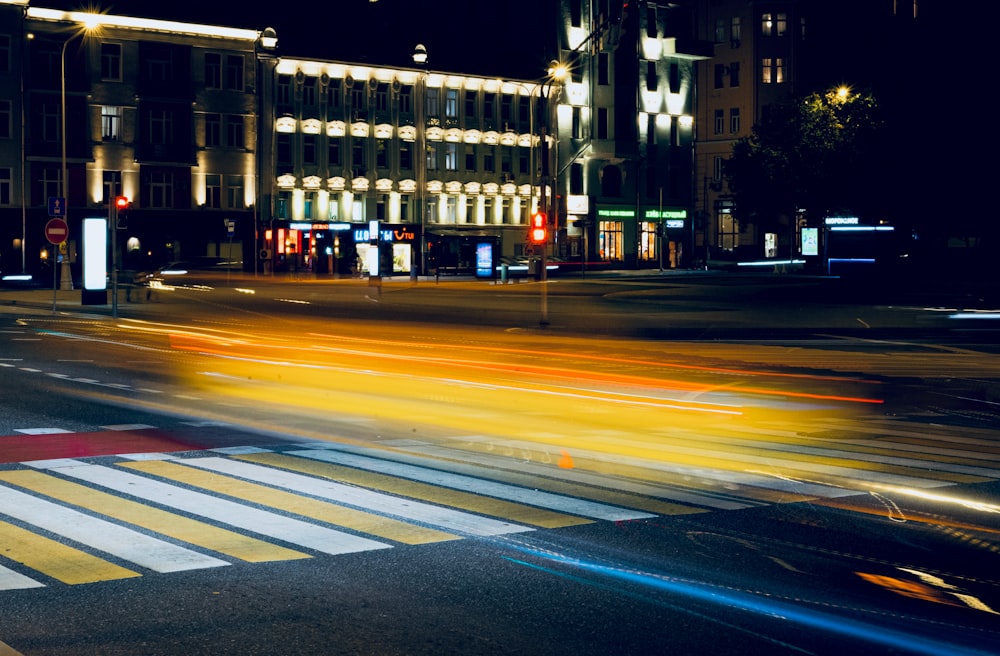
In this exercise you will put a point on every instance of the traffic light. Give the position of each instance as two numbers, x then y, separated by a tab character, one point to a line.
539	229
121	211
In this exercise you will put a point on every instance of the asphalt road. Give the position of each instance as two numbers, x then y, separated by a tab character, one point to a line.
670	465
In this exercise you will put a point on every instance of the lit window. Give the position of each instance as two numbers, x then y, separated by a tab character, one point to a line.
772	70
213	191
775	24
111	122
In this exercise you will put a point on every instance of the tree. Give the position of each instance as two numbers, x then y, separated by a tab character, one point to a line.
819	154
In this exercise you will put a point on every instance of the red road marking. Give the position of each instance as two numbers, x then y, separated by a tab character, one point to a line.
24	448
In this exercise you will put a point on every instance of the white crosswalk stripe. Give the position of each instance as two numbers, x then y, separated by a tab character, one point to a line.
105	536
259	521
581	507
414	510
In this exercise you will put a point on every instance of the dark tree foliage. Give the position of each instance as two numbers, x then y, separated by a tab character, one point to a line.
820	154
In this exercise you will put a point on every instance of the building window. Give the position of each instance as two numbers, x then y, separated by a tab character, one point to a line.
6	119
717	164
603	69
406	99
431	209
382	153
283	149
451	103
160	192
522	161
524	111
358	156
235	198
506	161
602	122
490	159
720	121
506	109
610	240
51	181
734	74
720	76
382	98
651	22
577	124
235	131
772	70
161	127
433	102
432	157
404	207
111	62
334	98
735	32
651	78
489	105
359	100
234	72
451	156
470	157
720	30
285	90
576	178
5	186
333	152
774	24
451	210
111	123
728	231
213	191
405	156
309	144
213	130
470	104
309	92
674	77
213	70
734	120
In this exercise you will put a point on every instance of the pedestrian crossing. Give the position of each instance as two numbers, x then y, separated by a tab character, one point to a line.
99	518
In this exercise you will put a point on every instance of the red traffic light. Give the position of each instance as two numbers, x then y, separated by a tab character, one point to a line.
539	228
121	202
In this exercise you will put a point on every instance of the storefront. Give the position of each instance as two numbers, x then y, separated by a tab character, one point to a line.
342	248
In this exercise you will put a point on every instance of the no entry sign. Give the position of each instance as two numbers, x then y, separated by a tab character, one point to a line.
56	231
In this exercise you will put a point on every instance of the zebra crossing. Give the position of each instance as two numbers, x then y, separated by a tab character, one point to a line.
110	517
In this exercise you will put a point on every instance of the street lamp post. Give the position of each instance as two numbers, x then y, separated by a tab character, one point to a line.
65	273
420	59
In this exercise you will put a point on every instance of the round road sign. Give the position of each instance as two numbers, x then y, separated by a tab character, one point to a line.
56	231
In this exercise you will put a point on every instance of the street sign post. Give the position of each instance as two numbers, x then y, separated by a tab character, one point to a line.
56	231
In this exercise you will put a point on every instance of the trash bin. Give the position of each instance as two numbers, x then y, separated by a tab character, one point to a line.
503	273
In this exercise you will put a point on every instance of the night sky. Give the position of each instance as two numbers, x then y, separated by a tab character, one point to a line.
501	39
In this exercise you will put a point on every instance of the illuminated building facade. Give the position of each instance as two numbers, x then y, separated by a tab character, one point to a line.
442	162
161	112
626	132
227	147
